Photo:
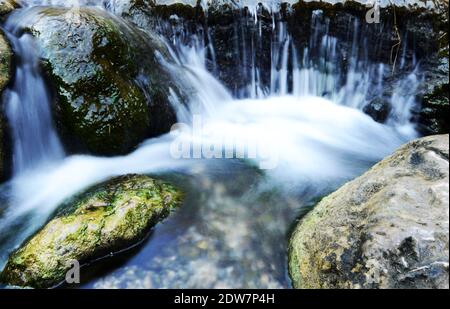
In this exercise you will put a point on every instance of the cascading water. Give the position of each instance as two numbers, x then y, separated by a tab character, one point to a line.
28	109
306	126
36	146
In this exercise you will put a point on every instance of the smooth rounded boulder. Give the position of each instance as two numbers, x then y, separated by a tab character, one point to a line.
386	229
106	218
112	92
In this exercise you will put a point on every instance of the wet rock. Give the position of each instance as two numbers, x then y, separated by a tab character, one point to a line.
5	76
222	247
112	92
136	11
433	117
6	7
378	109
109	217
386	229
435	111
5	62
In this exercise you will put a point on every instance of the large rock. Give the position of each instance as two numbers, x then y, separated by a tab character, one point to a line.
433	117
378	109
106	218
112	91
5	61
5	75
387	229
435	109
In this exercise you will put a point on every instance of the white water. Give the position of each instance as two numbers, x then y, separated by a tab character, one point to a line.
28	110
308	140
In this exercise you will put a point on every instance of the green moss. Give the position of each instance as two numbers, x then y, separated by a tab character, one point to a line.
306	259
5	61
107	217
111	91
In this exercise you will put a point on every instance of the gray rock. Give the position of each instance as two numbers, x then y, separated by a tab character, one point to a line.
112	92
386	229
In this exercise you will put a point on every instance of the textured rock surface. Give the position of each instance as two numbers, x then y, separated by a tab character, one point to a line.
386	229
5	75
6	6
5	61
112	91
106	218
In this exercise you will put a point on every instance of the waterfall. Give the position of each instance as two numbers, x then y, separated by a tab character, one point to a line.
27	105
302	127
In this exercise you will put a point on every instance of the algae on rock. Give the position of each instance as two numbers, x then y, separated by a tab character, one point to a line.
106	218
112	91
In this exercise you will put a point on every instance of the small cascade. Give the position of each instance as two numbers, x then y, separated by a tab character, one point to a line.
321	68
27	105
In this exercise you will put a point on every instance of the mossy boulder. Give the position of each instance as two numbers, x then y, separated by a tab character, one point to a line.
112	91
435	110
5	76
108	217
386	229
137	12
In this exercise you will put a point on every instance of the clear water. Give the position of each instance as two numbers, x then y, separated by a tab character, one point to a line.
308	136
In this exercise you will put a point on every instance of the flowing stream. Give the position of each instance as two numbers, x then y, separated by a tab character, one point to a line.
304	134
